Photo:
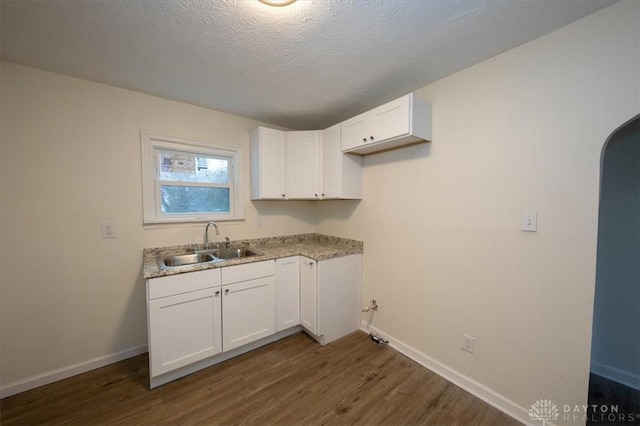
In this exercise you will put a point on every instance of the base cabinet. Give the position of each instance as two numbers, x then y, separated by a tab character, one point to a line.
287	292
248	310
183	327
248	303
330	296
309	295
200	318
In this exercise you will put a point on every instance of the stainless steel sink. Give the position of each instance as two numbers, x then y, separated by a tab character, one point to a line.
185	259
234	253
218	255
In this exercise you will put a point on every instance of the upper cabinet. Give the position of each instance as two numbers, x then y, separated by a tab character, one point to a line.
285	165
341	173
316	165
303	165
404	121
268	176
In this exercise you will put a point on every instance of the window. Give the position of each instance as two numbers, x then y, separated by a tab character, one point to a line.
187	181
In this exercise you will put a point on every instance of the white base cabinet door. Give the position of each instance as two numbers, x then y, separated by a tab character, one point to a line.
287	292
339	285
330	296
183	329
308	295
248	309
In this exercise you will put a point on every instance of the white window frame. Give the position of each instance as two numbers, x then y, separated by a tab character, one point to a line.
151	197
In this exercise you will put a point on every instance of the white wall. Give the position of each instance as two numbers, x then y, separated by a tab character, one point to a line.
616	318
71	159
443	253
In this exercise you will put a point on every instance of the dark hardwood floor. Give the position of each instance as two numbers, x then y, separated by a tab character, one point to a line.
294	381
612	403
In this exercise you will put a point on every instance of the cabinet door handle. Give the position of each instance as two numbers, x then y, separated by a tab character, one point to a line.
217	292
283	195
371	137
226	291
364	139
316	195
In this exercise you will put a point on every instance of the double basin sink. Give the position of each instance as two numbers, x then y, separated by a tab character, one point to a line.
218	255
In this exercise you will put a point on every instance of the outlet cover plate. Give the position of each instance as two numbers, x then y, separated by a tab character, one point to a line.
109	230
468	343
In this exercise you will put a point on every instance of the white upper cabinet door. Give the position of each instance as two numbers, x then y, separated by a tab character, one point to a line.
356	131
268	172
331	163
390	120
303	164
397	123
341	173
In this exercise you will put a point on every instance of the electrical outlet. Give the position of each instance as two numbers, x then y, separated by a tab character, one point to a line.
258	222
109	230
467	344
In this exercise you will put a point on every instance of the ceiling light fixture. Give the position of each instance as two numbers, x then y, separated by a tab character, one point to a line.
277	2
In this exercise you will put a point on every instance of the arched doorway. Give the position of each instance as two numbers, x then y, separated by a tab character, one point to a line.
615	345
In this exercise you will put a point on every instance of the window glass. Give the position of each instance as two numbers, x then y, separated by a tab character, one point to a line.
195	199
187	167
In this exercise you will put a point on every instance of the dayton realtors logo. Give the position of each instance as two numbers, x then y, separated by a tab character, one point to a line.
545	410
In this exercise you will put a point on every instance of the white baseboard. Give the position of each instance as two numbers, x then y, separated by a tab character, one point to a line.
66	372
475	388
616	374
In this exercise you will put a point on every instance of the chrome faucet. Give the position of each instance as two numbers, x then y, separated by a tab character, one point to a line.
227	243
206	234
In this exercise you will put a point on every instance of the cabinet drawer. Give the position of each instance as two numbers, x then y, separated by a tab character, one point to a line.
182	283
248	271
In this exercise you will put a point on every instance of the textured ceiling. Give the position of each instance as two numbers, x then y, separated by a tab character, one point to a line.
305	66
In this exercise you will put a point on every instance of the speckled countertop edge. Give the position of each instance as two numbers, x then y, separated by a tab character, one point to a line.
313	246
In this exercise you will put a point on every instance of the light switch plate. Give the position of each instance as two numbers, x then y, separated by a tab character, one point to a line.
529	222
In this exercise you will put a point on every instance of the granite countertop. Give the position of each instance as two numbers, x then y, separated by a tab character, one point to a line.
313	246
